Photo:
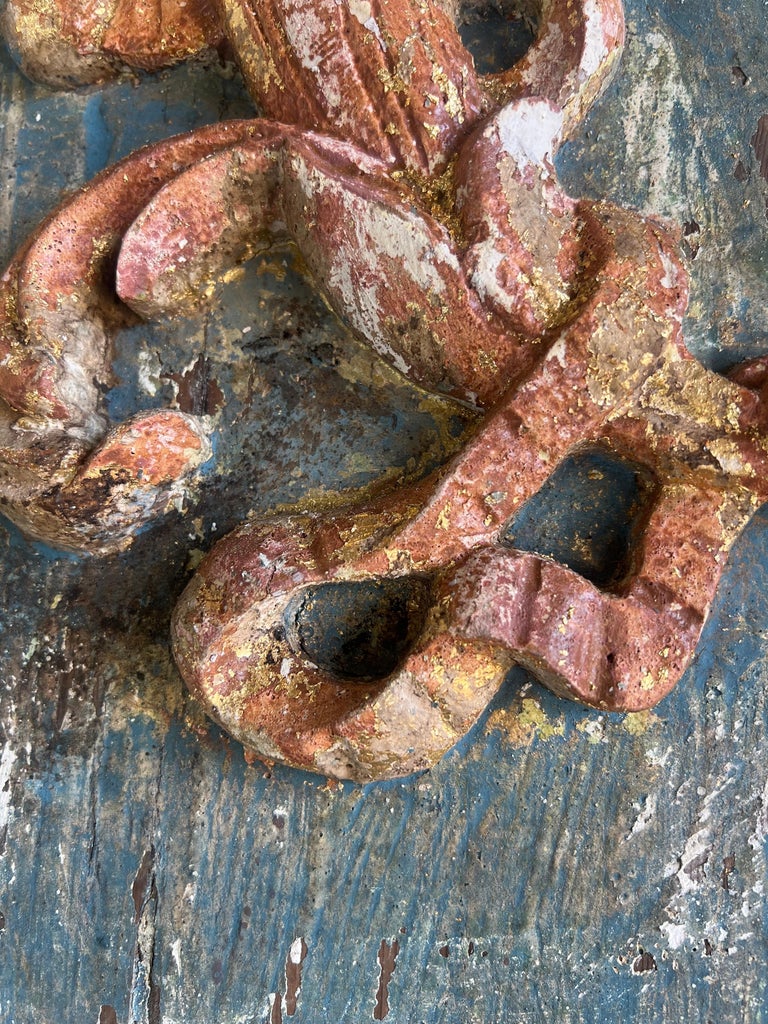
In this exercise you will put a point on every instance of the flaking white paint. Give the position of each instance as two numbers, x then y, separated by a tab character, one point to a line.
646	815
8	759
595	51
529	131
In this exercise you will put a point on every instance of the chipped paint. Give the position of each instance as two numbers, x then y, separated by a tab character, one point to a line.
639	722
529	132
594	729
645	816
293	970
387	960
525	722
675	934
8	759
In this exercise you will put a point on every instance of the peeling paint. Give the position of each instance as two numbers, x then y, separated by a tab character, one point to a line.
645	817
387	957
525	722
560	962
759	142
293	970
8	759
639	722
529	131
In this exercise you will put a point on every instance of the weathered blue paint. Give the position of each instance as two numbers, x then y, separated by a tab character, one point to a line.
98	136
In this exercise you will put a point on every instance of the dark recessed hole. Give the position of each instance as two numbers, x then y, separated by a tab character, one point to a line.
588	516
358	630
498	33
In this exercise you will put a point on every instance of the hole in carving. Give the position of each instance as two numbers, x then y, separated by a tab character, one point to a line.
498	33
588	516
358	630
269	345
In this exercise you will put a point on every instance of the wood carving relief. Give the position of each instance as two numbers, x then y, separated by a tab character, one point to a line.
425	204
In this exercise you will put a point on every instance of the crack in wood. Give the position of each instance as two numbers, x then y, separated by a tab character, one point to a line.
729	866
198	392
145	992
142	882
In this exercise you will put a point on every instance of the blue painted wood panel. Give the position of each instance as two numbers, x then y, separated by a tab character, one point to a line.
559	865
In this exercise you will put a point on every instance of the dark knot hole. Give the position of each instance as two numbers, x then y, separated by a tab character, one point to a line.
589	516
498	33
358	630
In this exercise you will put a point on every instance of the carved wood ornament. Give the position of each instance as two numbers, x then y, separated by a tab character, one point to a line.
423	199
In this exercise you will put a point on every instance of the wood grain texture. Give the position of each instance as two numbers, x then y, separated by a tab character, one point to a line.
559	865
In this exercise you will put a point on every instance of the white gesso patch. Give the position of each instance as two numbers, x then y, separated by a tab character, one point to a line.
149	370
382	233
484	278
559	352
646	816
393	358
758	837
362	10
360	305
710	799
176	954
306	34
655	757
529	131
373	27
389	232
697	848
595	51
7	761
675	933
670	272
281	811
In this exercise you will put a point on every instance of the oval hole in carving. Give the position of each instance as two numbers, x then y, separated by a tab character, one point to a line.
498	32
588	515
358	630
